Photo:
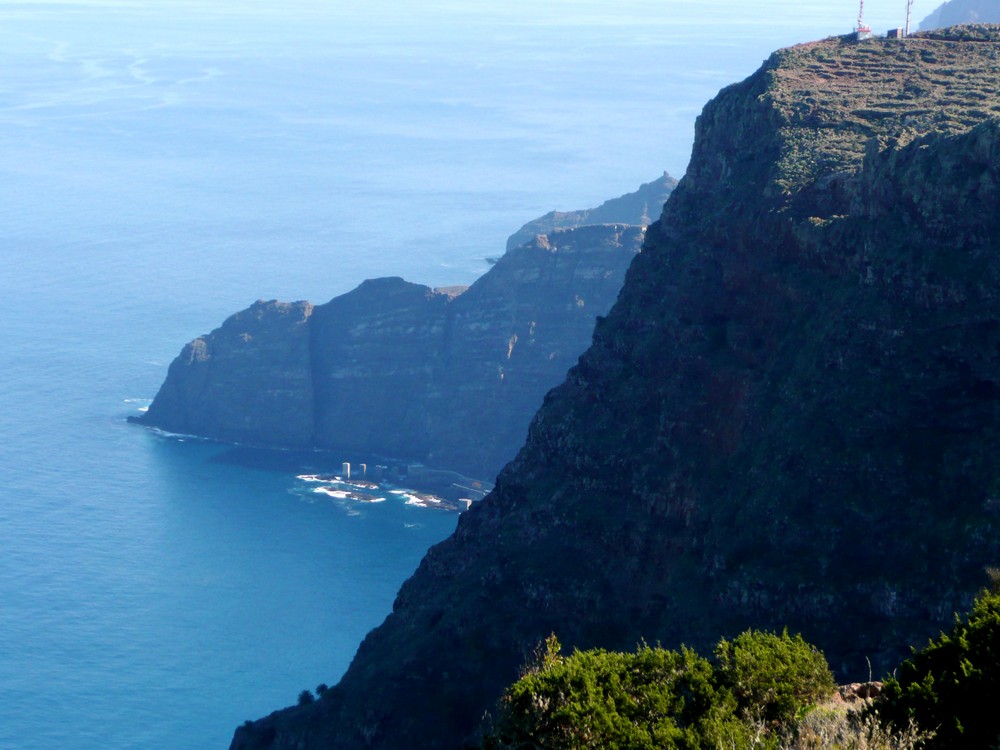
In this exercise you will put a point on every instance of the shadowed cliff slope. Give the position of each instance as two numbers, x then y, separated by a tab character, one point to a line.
401	370
791	416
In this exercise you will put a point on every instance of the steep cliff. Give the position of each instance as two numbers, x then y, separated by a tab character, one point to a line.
399	369
791	416
231	384
640	208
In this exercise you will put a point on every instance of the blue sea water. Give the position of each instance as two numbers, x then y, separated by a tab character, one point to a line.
164	164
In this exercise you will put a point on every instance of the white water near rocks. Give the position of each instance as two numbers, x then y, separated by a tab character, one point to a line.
165	164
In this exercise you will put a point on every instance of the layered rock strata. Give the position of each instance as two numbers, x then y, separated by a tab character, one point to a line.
449	378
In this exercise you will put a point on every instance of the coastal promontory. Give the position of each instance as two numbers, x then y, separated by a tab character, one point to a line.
445	377
639	208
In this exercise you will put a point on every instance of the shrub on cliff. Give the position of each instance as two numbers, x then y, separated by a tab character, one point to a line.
653	698
774	678
657	698
951	687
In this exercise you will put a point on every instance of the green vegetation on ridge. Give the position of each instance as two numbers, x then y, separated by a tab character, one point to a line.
657	698
762	690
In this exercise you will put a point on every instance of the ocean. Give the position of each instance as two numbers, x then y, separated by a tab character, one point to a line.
166	163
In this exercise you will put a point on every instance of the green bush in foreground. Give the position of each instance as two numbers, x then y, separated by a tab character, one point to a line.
657	698
952	686
761	693
773	677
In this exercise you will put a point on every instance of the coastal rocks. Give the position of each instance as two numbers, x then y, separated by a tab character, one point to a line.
449	378
789	418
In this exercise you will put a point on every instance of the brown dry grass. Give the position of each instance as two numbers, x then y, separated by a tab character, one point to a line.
836	725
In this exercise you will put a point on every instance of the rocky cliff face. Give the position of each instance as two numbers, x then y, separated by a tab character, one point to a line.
790	417
249	377
402	370
639	208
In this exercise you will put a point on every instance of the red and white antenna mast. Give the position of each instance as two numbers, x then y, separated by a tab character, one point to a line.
861	19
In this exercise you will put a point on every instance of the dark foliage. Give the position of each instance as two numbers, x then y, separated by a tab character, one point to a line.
951	687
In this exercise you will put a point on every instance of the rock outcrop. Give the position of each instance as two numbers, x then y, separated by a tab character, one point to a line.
791	416
449	378
639	208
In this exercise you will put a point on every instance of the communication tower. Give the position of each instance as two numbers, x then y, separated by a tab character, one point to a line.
909	11
863	32
861	19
